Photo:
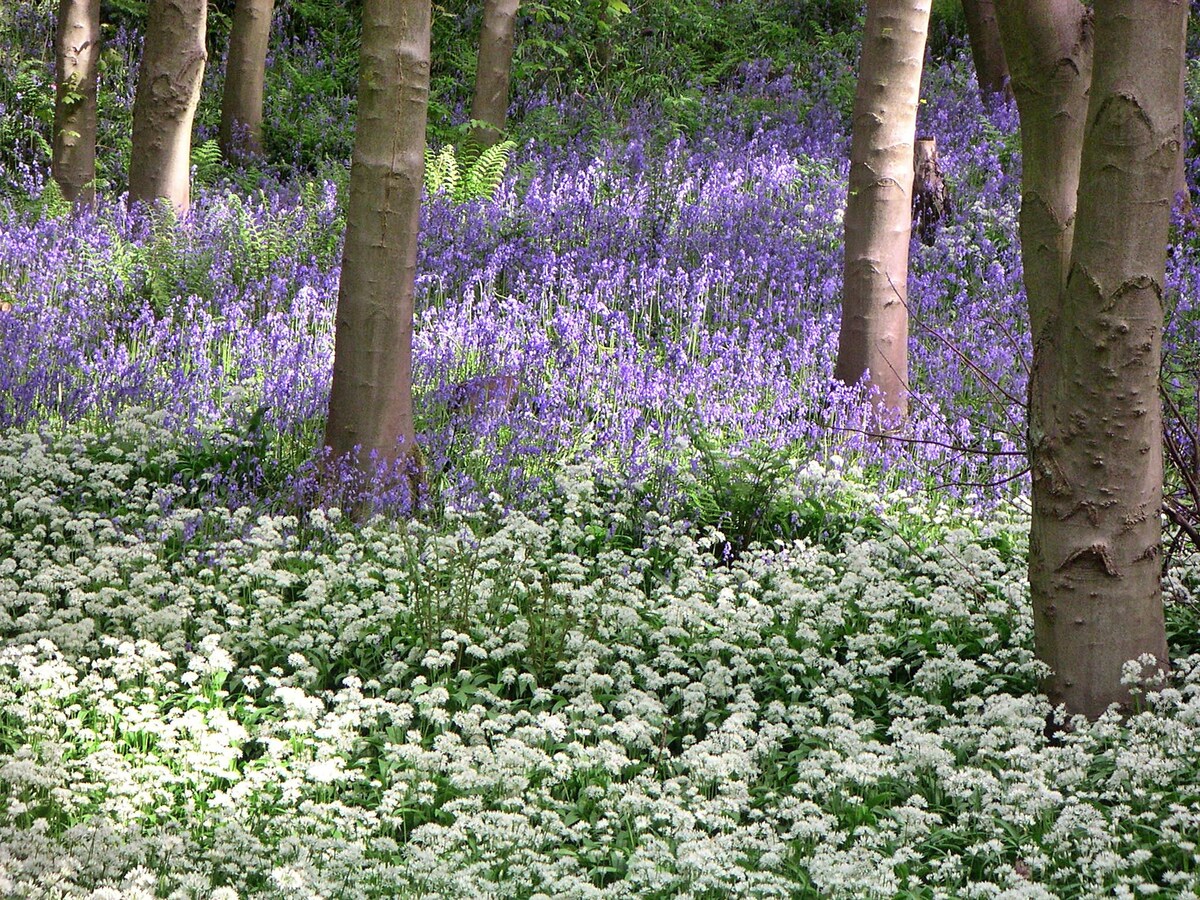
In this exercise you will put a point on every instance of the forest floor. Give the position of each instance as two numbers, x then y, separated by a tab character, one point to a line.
666	620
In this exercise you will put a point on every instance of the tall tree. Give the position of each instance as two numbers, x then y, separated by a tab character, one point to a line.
370	404
1098	93
240	134
76	54
168	90
490	104
991	68
874	331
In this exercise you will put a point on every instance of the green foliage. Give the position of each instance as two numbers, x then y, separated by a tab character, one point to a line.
749	498
467	176
1191	107
663	51
50	203
27	98
207	163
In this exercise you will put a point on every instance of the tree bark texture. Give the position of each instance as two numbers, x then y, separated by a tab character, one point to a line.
991	67
370	404
77	53
1048	44
490	103
168	89
245	72
1094	275
931	198
874	331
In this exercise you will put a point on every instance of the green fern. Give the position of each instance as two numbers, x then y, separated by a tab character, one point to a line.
51	204
464	179
441	170
207	162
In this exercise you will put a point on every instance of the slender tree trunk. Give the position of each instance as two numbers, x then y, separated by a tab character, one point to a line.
245	71
370	404
874	331
991	68
1108	132
77	52
490	104
168	89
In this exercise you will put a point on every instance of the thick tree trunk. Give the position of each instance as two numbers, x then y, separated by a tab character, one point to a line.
874	331
1048	44
168	89
991	68
1110	132
245	71
1098	576
370	404
77	52
490	104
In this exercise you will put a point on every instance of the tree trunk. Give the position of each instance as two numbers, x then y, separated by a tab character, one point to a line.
490	104
77	52
991	68
1108	133
874	331
370	404
168	90
245	71
1049	49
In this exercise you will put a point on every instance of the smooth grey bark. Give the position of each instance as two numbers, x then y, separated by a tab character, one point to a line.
240	133
168	90
873	339
490	103
77	54
1100	104
370	403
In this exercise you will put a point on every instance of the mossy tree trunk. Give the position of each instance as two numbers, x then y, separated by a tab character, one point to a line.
1099	97
76	53
490	103
874	333
168	90
370	404
245	73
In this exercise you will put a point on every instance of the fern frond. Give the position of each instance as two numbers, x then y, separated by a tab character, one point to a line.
483	178
463	179
441	171
206	161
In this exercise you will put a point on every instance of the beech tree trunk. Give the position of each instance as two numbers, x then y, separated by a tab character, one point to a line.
370	404
168	89
490	104
245	72
991	68
76	52
1108	133
874	331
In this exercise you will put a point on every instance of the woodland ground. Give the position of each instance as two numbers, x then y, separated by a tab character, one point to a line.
668	624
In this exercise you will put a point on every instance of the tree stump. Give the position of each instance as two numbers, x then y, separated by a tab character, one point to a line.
931	199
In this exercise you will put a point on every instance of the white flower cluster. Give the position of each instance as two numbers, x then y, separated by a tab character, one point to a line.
507	706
